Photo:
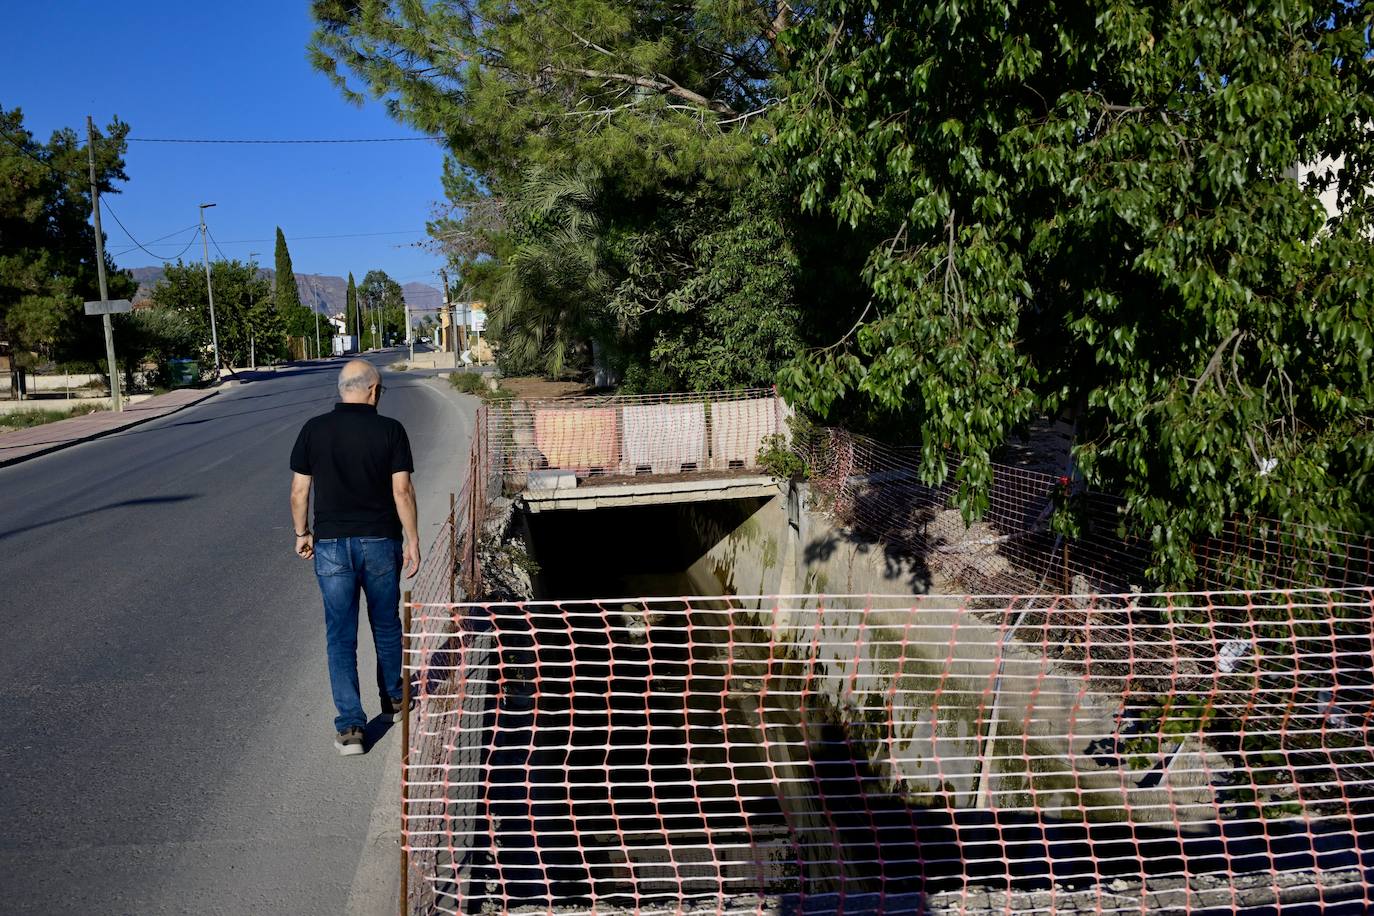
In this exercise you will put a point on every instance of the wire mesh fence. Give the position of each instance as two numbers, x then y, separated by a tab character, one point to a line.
868	754
1041	733
878	490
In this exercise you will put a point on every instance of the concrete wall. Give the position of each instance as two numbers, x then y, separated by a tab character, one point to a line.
64	404
917	678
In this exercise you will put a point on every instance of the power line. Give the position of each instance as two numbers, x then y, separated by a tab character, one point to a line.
178	232
160	257
347	235
280	142
222	255
24	151
137	243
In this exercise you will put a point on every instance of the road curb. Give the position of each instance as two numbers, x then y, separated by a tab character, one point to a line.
58	446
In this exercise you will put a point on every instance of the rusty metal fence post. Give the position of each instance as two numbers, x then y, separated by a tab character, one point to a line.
477	507
452	549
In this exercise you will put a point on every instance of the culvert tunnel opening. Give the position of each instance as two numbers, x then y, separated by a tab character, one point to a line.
639	761
634	551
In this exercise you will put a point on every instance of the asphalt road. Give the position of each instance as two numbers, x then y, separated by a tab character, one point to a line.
167	727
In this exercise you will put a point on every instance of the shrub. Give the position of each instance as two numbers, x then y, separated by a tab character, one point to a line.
468	383
778	458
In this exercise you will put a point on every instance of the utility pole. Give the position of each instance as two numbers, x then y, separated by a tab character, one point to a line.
115	397
410	335
375	319
476	331
317	331
252	328
448	338
209	290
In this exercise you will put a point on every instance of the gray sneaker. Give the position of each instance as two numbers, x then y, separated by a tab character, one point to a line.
349	742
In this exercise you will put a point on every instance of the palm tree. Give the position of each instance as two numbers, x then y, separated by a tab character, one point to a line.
552	282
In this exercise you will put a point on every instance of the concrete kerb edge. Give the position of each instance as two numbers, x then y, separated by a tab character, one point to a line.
58	446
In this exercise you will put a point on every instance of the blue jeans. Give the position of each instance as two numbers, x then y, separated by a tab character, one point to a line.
343	565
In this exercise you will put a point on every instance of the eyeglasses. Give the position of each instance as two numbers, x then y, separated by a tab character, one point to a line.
381	389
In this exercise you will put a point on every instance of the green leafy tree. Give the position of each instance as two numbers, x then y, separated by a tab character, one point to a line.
300	322
155	335
47	242
265	324
240	293
1089	210
383	294
732	313
577	131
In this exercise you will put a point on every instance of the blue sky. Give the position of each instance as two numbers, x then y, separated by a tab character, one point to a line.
237	70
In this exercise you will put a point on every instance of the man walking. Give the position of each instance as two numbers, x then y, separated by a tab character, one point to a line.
365	524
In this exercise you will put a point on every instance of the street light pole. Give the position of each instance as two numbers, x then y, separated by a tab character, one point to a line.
209	289
317	331
252	328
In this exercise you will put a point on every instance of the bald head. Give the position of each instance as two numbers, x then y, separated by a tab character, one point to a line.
356	380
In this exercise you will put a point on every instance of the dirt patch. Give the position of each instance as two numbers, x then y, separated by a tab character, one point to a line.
529	387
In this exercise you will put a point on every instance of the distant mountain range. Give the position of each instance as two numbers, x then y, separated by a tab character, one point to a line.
323	293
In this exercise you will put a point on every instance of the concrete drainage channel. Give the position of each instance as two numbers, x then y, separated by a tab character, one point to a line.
724	753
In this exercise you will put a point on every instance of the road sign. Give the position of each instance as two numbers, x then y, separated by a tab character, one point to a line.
110	307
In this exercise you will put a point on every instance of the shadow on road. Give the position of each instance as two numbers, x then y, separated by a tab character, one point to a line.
145	430
375	731
146	501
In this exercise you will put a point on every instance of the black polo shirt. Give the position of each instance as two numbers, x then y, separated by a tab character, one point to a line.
351	453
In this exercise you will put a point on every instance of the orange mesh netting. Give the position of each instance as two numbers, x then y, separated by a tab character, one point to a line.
1198	752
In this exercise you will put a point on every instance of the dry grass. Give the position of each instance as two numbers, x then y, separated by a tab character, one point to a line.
27	419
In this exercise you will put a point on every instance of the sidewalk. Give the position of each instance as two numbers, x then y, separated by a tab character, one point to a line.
30	443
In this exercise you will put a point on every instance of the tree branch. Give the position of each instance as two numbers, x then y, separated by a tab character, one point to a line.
779	23
661	83
1215	361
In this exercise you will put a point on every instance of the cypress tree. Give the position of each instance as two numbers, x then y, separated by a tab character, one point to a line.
351	309
288	296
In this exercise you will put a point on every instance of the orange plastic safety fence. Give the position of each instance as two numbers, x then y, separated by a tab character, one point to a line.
1134	753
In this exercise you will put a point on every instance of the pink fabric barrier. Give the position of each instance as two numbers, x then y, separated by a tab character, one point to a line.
664	438
738	429
581	439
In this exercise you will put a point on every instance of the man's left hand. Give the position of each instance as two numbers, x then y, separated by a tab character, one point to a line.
305	546
412	556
